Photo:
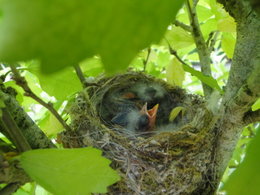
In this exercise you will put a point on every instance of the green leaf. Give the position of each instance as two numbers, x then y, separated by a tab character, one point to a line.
208	27
225	22
175	74
175	112
208	80
69	171
62	33
50	125
92	66
178	38
60	84
256	105
204	13
228	44
246	178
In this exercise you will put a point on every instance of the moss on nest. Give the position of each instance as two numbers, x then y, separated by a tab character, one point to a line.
167	162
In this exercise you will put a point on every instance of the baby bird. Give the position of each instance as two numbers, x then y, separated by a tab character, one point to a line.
137	120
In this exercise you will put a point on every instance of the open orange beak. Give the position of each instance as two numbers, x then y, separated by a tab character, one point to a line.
151	115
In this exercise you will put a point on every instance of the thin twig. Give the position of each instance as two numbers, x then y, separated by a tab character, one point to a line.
80	75
8	72
28	92
183	26
211	34
174	53
212	41
13	131
147	58
203	51
195	2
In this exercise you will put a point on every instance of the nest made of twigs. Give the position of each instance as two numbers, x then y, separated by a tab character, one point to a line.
174	161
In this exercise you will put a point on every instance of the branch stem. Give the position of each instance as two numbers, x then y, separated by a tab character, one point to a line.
183	26
28	92
147	58
203	51
14	131
80	75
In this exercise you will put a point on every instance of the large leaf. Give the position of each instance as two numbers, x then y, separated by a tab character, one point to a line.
50	125
63	32
204	13
69	171
225	22
246	178
208	80
179	38
175	74
60	84
228	43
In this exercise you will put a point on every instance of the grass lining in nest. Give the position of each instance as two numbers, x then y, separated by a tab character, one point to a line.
171	161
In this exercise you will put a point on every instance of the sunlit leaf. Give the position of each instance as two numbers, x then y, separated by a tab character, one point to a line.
225	22
92	66
228	44
246	178
60	84
256	105
208	27
62	33
178	38
204	13
163	59
210	81
175	74
69	171
50	125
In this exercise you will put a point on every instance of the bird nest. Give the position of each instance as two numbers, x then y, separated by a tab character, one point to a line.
173	158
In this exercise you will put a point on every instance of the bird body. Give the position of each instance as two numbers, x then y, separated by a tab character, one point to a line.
140	107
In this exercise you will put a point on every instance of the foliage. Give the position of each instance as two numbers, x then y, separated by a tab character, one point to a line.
64	170
63	33
55	36
246	179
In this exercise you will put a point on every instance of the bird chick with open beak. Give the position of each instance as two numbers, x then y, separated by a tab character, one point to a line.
151	114
137	120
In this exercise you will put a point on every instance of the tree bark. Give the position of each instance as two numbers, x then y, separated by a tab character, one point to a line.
243	87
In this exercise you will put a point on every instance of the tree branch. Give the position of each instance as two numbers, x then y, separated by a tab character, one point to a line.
28	92
182	25
147	58
243	86
174	53
34	136
14	131
80	75
203	51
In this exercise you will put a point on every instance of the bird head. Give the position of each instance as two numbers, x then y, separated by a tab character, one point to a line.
151	114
